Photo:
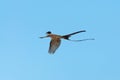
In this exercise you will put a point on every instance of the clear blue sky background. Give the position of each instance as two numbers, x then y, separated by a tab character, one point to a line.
23	56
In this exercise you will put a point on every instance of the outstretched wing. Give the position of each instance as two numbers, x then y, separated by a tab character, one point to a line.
54	44
68	35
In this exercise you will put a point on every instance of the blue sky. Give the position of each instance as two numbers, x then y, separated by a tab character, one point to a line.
23	56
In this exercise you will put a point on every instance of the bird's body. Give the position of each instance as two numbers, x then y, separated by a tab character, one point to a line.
54	43
56	40
54	36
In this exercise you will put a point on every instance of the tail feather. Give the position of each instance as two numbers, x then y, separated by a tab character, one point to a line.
68	35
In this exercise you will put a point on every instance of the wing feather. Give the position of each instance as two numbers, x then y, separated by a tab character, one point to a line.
54	44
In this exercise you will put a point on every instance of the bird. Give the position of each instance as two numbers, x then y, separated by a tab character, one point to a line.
56	40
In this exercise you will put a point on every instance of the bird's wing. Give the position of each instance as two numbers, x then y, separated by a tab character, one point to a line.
68	35
54	44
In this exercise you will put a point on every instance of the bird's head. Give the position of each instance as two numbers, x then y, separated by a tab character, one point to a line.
49	32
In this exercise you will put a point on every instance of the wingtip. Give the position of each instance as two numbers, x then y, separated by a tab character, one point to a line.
41	37
51	53
83	31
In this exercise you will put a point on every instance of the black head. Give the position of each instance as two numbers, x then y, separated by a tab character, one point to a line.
49	32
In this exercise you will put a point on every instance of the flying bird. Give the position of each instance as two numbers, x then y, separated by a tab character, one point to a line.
56	40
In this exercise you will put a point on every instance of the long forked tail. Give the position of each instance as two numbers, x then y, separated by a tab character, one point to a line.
81	40
68	35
